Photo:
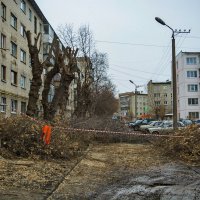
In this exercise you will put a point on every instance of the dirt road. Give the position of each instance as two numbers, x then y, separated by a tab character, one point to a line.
107	171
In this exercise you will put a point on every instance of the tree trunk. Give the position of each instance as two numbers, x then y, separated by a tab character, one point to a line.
60	93
45	93
36	83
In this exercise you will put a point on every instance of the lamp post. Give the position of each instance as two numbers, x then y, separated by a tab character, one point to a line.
174	86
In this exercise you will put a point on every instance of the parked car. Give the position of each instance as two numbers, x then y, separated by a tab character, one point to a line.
152	124
136	125
165	127
186	122
197	122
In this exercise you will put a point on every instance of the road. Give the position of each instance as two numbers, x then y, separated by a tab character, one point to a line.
106	171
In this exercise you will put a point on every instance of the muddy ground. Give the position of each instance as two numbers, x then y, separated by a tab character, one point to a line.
105	171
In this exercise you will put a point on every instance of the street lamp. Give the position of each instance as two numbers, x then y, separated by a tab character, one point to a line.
173	69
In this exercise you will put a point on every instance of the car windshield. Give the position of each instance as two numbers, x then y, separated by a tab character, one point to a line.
138	121
165	123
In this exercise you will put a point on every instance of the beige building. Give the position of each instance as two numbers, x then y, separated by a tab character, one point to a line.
159	98
133	106
16	16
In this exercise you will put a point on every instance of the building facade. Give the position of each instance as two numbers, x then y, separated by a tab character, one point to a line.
16	17
16	72
159	98
188	83
133	106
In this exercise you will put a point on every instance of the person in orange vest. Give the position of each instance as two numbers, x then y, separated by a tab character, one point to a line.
46	134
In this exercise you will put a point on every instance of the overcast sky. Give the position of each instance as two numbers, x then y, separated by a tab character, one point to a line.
138	48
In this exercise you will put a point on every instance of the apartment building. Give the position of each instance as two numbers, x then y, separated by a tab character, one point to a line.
188	83
16	16
133	105
16	73
159	98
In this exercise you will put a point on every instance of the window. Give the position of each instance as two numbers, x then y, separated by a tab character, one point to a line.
3	104
165	95
40	28
193	101
35	25
22	30
13	77
3	11
13	21
156	94
192	88
22	81
3	73
191	61
46	29
23	6
3	41
13	106
30	15
165	103
22	56
193	115
23	107
191	74
157	103
13	49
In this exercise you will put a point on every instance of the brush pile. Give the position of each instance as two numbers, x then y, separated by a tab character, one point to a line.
186	148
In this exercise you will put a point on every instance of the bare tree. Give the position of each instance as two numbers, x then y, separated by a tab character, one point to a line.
67	74
37	69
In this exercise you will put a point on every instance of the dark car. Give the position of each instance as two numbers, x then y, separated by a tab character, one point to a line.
136	125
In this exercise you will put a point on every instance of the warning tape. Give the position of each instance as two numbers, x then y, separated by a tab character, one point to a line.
104	131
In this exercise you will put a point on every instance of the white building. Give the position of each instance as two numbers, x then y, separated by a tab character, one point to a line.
188	83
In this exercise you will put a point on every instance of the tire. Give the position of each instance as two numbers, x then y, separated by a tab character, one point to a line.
136	128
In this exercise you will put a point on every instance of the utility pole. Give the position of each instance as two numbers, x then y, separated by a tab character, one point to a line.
136	86
174	81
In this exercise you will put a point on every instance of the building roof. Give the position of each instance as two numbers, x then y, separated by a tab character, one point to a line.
38	11
187	52
131	94
160	83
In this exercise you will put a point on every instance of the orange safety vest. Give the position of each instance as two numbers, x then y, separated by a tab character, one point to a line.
46	134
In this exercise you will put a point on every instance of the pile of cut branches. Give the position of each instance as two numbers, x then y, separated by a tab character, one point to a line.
186	148
21	136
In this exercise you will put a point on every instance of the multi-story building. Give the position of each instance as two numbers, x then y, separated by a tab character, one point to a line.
16	17
16	73
159	98
133	105
188	83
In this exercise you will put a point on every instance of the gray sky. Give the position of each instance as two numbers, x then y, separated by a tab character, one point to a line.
138	48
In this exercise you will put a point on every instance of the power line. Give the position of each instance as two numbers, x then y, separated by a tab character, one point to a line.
126	73
136	44
128	43
138	70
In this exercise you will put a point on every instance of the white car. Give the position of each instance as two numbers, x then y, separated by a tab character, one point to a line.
165	127
152	124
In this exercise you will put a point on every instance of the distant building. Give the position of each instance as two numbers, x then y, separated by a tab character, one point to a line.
133	106
159	98
188	83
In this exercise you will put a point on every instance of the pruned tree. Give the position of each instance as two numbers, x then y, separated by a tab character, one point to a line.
66	73
37	69
92	79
